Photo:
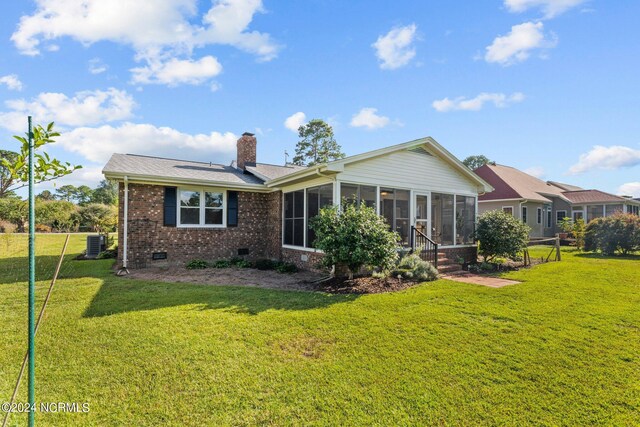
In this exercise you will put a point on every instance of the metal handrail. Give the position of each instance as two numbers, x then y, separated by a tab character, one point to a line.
428	248
423	235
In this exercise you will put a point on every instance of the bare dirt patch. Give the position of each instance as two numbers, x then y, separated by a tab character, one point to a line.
302	280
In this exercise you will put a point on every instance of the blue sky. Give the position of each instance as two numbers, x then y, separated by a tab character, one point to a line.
547	86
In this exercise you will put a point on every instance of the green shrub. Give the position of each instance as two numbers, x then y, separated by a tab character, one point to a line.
240	263
501	235
413	267
197	264
286	267
354	236
578	231
221	263
619	232
265	264
108	254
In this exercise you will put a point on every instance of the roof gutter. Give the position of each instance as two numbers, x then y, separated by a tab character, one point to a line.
146	179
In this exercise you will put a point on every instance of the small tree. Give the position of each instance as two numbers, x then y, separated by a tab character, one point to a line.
501	235
66	192
16	211
6	178
578	232
619	232
317	144
106	193
474	162
566	224
83	195
45	167
45	195
355	237
101	218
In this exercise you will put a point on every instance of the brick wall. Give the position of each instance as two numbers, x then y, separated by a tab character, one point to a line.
257	230
469	254
304	260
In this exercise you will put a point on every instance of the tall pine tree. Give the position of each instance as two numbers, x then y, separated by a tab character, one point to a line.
317	144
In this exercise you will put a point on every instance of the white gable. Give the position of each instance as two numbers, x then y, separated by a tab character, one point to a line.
412	169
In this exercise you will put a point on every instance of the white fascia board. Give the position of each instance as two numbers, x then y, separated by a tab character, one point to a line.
145	179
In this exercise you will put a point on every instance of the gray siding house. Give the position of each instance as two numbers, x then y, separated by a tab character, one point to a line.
543	204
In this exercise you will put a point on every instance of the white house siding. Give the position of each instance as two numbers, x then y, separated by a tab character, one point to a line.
409	170
418	172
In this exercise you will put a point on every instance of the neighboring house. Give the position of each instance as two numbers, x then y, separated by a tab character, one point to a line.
542	205
180	210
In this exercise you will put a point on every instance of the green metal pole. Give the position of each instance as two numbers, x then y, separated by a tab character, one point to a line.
32	284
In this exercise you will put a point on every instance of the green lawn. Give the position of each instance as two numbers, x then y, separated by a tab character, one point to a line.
562	348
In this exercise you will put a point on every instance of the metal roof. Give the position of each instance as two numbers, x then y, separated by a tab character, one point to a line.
157	167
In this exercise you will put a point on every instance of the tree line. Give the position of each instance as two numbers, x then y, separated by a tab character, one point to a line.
70	208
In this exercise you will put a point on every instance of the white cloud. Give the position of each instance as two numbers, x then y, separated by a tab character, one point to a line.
96	66
368	118
99	143
294	121
536	171
394	49
550	8
11	81
84	108
599	157
158	31
630	189
175	71
461	103
518	44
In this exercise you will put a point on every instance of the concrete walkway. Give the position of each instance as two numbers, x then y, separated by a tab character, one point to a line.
474	279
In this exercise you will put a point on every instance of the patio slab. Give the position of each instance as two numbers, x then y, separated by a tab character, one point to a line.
475	279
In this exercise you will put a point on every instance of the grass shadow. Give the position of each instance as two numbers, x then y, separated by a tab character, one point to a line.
598	255
16	269
118	295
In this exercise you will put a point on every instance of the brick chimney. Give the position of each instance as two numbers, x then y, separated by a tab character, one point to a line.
246	154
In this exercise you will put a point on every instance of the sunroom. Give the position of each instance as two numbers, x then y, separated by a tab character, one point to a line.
448	219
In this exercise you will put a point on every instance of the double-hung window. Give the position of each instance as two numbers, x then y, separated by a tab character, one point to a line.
201	208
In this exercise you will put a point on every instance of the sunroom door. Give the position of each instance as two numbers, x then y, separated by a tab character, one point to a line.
422	220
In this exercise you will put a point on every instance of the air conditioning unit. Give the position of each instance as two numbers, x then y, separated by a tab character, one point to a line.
95	245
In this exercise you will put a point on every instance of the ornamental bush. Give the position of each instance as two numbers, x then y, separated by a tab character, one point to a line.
619	232
355	236
414	268
501	235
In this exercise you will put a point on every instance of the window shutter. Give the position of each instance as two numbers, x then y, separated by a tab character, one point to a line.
170	206
232	208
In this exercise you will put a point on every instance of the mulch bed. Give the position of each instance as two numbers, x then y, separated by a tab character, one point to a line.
300	281
364	285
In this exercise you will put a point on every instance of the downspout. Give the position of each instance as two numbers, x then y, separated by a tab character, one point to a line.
125	229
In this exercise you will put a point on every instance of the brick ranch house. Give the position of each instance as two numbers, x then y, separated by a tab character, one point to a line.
172	211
